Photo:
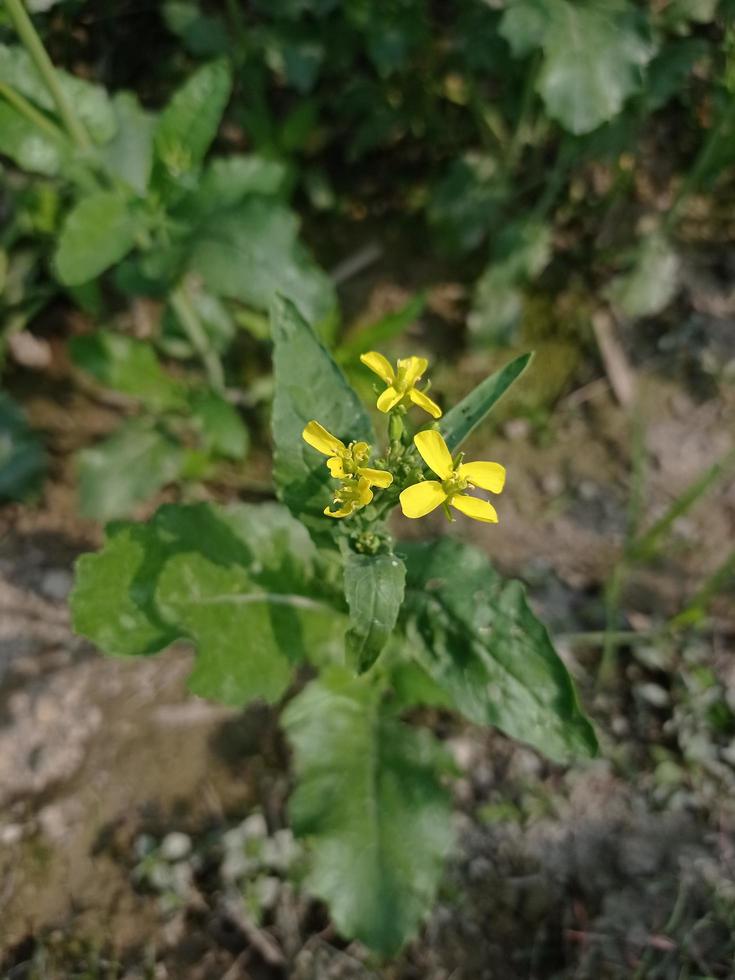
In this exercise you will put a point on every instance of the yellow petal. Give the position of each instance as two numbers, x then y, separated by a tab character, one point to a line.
336	468
473	507
423	401
410	369
322	440
376	478
379	365
434	452
489	476
389	399
342	512
422	498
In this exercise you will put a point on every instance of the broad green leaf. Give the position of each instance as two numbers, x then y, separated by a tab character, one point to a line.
594	54
251	252
309	385
464	418
521	252
91	102
215	318
652	282
465	203
477	638
22	459
129	156
241	583
189	123
129	366
98	232
369	801
126	469
229	180
222	430
27	146
669	71
374	591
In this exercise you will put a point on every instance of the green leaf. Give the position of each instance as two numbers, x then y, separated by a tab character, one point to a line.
129	156
189	123
369	801
91	102
98	232
475	635
202	35
129	366
229	180
125	469
309	385
653	281
464	418
593	55
242	583
521	253
223	431
29	147
260	236
374	591
22	459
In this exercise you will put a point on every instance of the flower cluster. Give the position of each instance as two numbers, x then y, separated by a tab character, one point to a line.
348	462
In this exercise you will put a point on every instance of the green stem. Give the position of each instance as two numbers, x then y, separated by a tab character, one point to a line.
32	42
31	113
191	323
555	182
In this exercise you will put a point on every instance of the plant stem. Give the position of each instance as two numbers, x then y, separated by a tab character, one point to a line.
31	113
191	323
32	42
520	133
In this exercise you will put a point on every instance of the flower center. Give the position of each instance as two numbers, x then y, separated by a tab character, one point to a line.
454	484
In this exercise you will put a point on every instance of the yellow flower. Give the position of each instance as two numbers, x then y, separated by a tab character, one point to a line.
454	479
401	382
351	496
346	463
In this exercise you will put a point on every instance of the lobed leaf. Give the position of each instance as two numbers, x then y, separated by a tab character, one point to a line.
374	587
593	55
308	385
244	584
457	424
476	637
369	800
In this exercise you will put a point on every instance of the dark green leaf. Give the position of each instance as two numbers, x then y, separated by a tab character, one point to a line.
464	418
22	459
594	54
309	385
91	102
126	469
477	638
241	583
98	232
251	252
369	801
129	366
189	123
202	35
374	592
